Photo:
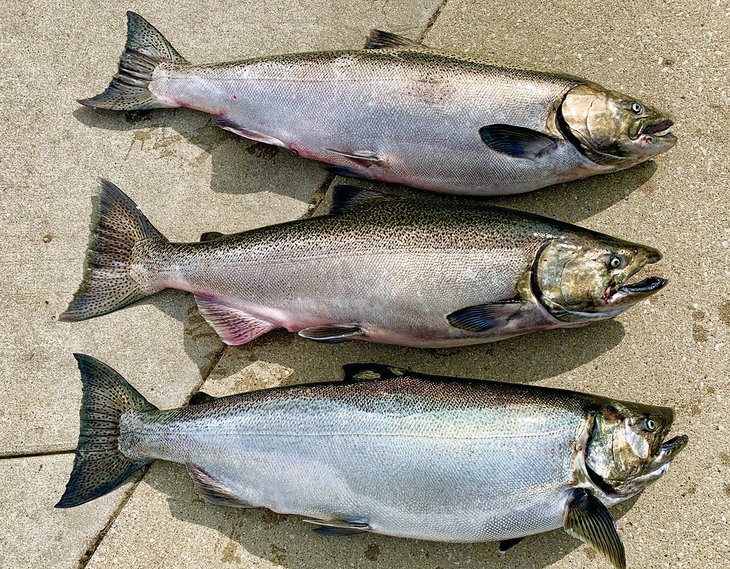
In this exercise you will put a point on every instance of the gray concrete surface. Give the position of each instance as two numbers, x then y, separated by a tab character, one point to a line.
190	177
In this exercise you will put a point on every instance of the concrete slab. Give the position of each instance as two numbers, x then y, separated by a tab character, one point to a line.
672	350
34	534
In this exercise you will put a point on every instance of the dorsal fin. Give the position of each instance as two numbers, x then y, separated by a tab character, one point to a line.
358	372
201	397
378	39
345	197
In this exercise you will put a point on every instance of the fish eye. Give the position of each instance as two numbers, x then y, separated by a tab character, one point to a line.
616	261
637	108
649	425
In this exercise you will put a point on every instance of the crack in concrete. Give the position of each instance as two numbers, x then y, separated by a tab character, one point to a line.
318	195
9	455
89	553
432	20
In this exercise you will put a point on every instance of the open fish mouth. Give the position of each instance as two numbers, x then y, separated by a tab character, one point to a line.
656	129
670	449
616	293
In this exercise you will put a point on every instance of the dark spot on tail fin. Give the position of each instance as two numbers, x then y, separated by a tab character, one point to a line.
99	465
360	372
117	226
129	90
378	39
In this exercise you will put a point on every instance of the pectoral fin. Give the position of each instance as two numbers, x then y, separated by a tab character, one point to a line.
483	317
331	334
232	325
587	519
516	141
338	527
213	491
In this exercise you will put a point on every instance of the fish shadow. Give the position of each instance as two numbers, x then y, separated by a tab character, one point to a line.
287	541
200	342
240	166
524	359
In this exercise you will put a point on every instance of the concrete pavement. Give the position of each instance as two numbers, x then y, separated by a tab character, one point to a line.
188	176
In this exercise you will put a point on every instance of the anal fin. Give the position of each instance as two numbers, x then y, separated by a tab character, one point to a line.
333	334
483	317
232	325
227	124
587	519
213	491
338	527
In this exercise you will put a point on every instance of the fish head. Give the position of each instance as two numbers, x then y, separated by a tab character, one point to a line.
587	277
613	129
628	447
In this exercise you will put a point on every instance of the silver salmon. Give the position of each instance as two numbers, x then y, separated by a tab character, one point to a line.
401	112
427	272
389	451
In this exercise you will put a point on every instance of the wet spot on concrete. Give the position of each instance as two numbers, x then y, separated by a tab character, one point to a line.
725	458
278	554
372	552
263	151
47	238
590	553
690	491
725	312
695	410
699	333
727	489
230	553
698	315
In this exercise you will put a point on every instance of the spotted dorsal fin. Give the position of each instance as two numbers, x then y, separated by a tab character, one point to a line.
345	197
378	39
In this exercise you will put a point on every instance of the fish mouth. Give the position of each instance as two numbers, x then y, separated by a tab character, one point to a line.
622	292
656	130
670	449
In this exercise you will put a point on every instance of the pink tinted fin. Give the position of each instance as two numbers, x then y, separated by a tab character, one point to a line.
227	124
232	325
213	491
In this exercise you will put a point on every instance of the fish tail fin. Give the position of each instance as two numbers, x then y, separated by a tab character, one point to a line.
99	465
129	90
115	274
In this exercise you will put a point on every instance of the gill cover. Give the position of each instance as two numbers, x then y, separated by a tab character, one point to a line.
611	128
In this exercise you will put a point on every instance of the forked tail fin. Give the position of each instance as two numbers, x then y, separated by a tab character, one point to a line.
129	90
114	254
99	465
